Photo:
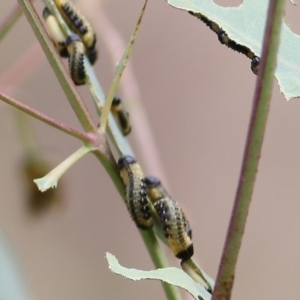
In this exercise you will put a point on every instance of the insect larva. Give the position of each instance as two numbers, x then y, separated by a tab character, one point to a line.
135	191
175	228
156	191
121	115
79	25
225	40
55	32
76	60
175	225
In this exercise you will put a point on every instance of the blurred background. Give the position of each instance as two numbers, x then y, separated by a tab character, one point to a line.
197	95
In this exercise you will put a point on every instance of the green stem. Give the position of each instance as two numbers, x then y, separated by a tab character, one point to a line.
159	261
119	71
262	96
58	67
85	137
9	20
156	253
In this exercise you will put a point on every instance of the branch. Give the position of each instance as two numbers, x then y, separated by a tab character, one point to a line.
252	151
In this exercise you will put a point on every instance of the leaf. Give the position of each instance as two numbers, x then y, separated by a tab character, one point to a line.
12	281
245	25
172	276
51	179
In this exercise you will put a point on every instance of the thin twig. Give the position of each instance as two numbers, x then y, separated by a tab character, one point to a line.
119	71
142	133
252	152
85	137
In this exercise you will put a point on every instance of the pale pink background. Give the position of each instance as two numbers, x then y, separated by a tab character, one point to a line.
197	94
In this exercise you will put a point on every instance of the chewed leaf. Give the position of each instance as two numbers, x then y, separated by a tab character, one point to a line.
52	178
245	25
172	276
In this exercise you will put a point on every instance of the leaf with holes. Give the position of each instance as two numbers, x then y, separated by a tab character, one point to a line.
245	25
171	275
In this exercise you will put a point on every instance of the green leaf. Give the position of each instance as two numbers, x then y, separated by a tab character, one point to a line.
245	25
171	275
51	179
12	281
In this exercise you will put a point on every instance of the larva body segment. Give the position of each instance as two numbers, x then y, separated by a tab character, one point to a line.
76	59
121	115
79	25
226	40
175	225
135	191
55	32
175	228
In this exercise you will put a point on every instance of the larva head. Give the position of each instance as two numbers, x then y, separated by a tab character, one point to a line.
125	160
152	181
46	13
255	64
72	38
155	189
116	101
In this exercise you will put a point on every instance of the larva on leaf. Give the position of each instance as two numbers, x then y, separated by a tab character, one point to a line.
226	40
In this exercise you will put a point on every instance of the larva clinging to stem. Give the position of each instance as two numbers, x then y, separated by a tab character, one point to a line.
76	59
135	191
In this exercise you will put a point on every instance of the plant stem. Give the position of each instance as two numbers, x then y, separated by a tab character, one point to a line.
10	19
119	71
58	67
85	137
142	133
262	96
159	259
155	251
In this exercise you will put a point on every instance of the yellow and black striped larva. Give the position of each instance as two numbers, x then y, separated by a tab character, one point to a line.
121	115
225	40
135	191
55	32
79	25
172	218
175	228
76	59
156	191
